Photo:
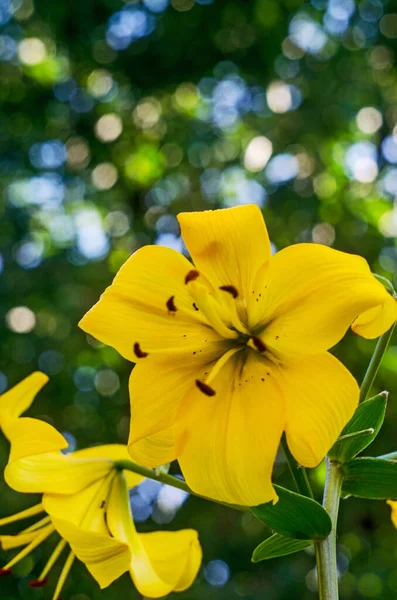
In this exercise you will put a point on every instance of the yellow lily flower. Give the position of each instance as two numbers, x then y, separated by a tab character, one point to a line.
85	500
232	351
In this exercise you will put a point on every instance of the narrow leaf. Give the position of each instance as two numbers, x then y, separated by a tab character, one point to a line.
369	415
294	516
374	478
278	545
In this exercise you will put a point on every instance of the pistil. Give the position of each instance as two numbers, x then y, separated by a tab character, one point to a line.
221	363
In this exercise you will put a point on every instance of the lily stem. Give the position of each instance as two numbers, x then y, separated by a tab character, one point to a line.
162	477
373	366
327	571
298	473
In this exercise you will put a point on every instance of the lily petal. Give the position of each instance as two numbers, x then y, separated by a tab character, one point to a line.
312	294
227	442
155	403
54	473
148	308
374	322
19	398
112	452
154	450
31	437
228	245
74	508
105	558
36	465
321	397
147	581
175	555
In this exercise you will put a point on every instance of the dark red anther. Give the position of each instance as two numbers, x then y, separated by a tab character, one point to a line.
38	583
230	289
5	572
192	275
171	304
138	351
205	388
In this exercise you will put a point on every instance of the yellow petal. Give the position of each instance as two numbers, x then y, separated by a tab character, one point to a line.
105	558
85	509
111	452
146	579
311	296
18	399
54	473
35	466
31	437
321	397
156	389
155	450
227	442
227	245
393	506
175	555
135	309
372	323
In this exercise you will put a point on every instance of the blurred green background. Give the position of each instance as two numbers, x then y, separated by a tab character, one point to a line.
116	116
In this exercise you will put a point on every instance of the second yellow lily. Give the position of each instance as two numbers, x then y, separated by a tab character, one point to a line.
86	501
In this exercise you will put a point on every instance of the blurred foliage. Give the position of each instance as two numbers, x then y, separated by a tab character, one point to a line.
116	116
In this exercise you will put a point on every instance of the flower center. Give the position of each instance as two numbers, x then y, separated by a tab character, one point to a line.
226	312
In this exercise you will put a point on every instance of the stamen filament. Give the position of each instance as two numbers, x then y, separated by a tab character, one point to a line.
36	542
52	560
41	523
64	573
24	514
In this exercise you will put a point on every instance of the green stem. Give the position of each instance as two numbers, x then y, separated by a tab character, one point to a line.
162	477
298	473
327	571
373	366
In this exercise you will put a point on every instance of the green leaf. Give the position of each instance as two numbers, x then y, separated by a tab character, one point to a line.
369	415
278	545
388	284
374	478
294	516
